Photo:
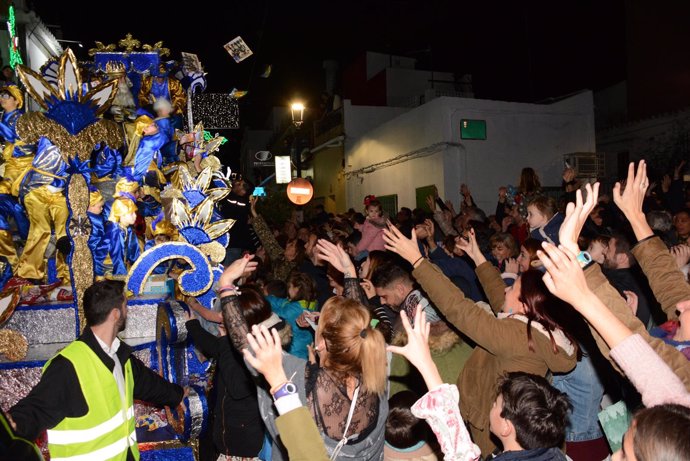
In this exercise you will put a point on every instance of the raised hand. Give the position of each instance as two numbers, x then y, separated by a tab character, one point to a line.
564	277
431	202
407	248
512	266
234	271
630	200
681	253
416	351
575	216
468	243
252	204
665	183
569	174
368	288
678	169
429	223
336	256
451	208
268	354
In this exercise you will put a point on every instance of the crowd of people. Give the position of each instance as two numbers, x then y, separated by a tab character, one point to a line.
433	334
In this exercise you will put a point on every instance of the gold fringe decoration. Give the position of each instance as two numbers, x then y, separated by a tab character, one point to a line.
33	125
82	260
13	345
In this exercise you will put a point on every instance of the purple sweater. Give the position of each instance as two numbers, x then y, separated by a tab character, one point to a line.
654	380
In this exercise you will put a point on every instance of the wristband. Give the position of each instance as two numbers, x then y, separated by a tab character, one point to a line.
584	259
230	288
418	259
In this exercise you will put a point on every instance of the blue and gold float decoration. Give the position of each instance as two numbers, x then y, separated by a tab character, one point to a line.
71	121
178	364
198	247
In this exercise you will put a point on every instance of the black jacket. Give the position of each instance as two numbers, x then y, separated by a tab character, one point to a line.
58	394
238	429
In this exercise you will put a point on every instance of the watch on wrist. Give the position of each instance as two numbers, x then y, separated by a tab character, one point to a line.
284	390
584	259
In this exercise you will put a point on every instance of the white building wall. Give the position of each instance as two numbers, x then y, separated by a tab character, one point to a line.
362	119
518	135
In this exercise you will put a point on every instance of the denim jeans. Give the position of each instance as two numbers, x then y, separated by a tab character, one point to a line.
584	390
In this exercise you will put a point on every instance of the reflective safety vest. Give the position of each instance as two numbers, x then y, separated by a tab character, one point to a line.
107	430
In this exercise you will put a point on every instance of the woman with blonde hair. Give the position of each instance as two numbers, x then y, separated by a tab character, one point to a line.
344	385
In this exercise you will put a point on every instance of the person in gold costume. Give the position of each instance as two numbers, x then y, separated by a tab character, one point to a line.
42	192
16	154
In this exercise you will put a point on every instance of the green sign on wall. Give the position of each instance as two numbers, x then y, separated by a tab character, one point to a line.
472	129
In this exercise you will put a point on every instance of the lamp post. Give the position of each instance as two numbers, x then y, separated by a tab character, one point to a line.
297	112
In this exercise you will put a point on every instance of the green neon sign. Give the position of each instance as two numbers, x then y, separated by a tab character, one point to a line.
15	57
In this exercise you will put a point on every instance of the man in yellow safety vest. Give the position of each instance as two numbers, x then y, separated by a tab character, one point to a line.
86	393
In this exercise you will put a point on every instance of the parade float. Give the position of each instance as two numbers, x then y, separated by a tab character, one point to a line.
81	122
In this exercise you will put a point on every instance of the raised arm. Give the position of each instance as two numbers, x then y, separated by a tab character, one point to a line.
666	280
352	289
489	276
268	240
481	326
576	215
296	427
439	406
235	324
653	378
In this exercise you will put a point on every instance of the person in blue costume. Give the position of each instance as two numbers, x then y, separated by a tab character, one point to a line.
165	87
97	241
167	125
106	168
17	155
41	190
143	153
10	209
123	243
162	231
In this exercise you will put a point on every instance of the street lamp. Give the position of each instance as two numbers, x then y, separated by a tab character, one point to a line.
297	110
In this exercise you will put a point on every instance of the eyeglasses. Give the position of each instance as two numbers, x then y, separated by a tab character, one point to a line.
5	96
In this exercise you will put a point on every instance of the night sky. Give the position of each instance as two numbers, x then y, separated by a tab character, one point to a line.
516	51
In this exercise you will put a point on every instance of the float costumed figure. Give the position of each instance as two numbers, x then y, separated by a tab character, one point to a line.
123	244
42	192
106	168
67	133
97	241
162	86
17	154
10	209
143	152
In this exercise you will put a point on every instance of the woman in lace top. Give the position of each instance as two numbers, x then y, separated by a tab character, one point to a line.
347	376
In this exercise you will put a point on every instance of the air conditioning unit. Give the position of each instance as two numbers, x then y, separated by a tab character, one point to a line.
587	165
